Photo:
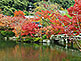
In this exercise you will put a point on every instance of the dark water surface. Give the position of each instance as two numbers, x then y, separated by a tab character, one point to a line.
10	51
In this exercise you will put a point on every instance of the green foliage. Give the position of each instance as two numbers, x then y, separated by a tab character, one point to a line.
34	39
7	33
3	33
29	39
37	39
64	3
9	6
5	28
44	36
26	13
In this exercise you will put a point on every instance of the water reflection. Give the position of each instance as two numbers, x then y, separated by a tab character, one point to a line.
37	52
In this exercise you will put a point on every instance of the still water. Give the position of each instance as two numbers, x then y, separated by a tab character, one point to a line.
10	51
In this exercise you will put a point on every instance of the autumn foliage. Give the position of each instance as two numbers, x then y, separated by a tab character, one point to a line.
52	22
63	24
18	13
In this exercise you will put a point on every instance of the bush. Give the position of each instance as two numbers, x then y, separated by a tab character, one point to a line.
7	33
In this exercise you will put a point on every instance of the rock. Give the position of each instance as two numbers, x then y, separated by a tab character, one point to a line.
29	16
46	41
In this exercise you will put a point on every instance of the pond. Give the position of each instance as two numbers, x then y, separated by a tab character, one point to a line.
11	51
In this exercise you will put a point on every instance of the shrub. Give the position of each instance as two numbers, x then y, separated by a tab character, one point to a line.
7	33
